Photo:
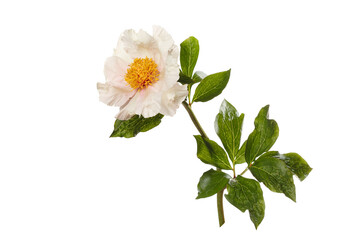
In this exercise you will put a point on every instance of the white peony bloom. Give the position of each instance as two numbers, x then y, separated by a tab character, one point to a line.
141	76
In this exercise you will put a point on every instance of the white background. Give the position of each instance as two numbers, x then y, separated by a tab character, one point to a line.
62	177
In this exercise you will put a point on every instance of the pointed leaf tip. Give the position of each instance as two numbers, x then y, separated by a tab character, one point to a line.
263	137
275	175
296	164
211	86
246	194
189	53
228	126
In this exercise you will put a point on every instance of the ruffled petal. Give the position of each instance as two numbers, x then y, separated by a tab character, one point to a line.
163	38
168	62
146	102
172	98
115	70
126	41
171	73
113	96
137	44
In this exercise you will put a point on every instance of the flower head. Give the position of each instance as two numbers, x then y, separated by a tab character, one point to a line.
141	76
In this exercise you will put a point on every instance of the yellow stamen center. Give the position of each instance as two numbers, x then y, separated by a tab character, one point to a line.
142	73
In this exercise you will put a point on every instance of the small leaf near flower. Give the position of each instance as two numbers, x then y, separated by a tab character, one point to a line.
199	76
211	86
130	128
183	79
189	53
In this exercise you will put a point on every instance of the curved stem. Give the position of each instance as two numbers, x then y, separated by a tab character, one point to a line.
194	119
219	195
220	206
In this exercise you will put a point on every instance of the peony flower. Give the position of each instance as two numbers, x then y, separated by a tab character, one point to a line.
141	76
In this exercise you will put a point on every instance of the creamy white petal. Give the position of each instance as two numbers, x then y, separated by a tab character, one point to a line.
164	40
172	98
171	72
138	44
145	40
113	96
127	40
169	55
119	51
115	70
146	102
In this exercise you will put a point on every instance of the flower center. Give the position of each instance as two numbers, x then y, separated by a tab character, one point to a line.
142	73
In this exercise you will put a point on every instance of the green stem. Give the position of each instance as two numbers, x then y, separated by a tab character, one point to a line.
244	171
194	119
220	207
219	196
189	94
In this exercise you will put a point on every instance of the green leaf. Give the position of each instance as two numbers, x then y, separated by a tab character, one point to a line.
293	161
183	79
296	164
130	128
263	137
212	182
199	76
274	173
270	154
211	153
240	156
189	52
246	194
211	86
228	126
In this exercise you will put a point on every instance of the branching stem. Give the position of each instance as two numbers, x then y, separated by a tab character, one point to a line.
219	196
